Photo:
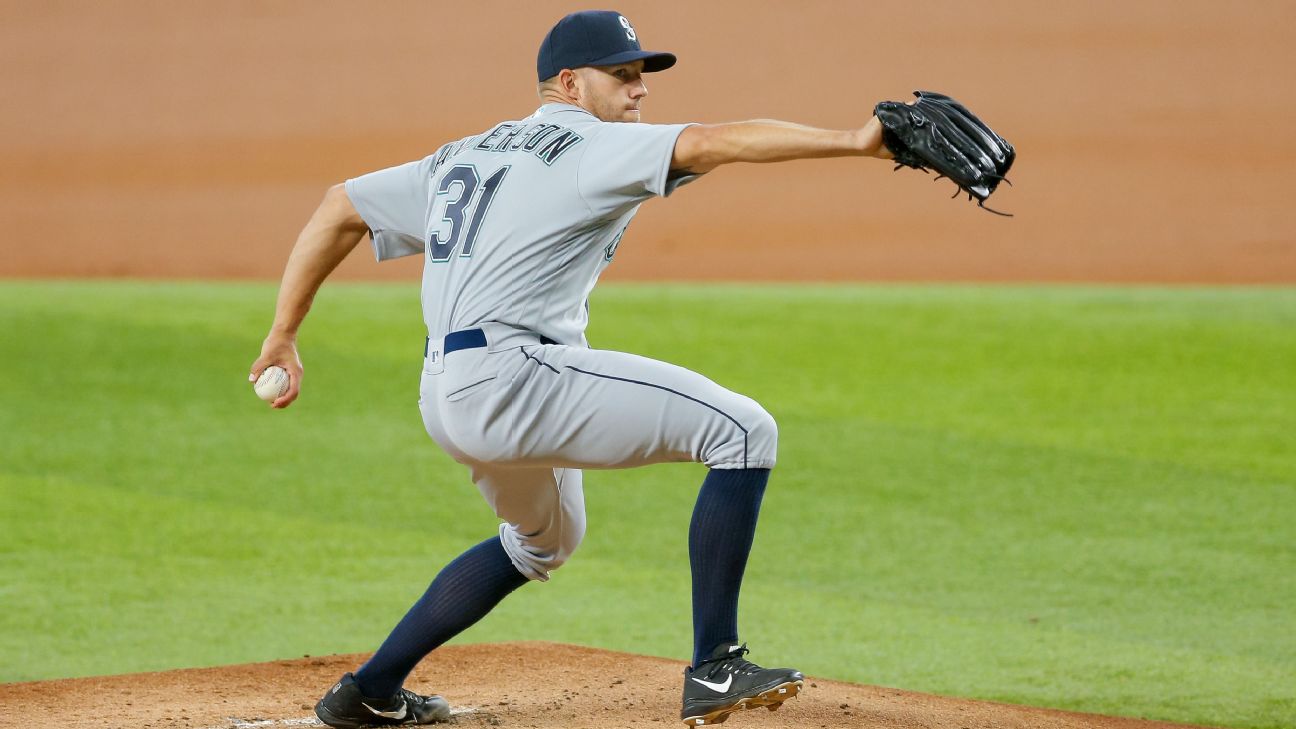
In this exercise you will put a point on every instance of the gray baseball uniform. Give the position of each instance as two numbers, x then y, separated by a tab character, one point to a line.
516	224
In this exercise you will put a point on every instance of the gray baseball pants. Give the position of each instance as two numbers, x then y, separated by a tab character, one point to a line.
526	418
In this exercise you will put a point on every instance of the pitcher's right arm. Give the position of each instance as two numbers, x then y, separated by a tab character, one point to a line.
331	233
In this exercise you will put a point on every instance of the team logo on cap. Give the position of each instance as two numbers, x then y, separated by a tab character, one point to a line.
628	28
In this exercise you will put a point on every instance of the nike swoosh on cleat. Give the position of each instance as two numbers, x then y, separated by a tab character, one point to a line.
717	687
397	715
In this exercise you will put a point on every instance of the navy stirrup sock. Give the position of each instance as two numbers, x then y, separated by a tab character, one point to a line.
720	537
467	589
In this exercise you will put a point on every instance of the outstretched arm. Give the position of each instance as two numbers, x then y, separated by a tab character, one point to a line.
332	232
703	147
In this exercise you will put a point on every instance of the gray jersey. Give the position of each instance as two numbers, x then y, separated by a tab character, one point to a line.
515	225
517	222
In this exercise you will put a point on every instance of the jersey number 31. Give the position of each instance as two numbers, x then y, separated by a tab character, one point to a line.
460	187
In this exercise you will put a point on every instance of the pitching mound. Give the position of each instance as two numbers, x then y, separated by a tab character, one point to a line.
532	685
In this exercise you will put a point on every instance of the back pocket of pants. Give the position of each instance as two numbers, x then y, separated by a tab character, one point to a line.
466	390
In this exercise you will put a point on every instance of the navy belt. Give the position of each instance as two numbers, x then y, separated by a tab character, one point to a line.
469	339
464	339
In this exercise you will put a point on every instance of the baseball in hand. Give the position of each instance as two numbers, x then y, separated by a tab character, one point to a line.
272	383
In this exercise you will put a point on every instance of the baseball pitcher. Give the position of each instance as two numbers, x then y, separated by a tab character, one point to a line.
515	224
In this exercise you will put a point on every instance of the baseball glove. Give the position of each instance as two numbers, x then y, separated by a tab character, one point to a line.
938	133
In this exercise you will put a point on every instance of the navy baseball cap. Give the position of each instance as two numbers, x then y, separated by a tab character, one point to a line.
595	38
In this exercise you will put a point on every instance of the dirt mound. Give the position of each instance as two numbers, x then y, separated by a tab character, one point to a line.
531	685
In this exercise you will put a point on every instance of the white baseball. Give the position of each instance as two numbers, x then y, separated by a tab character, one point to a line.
272	383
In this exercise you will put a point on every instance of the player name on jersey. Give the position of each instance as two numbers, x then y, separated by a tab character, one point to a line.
547	141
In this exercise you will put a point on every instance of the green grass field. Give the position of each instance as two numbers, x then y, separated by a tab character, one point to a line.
1081	498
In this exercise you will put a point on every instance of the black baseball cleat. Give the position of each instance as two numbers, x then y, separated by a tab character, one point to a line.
726	682
345	706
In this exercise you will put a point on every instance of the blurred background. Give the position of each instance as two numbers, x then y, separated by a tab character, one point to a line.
1077	496
193	139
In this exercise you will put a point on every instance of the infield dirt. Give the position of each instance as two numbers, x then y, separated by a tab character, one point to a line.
194	139
522	685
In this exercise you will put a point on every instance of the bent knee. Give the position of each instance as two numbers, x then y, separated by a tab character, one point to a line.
536	555
762	440
753	443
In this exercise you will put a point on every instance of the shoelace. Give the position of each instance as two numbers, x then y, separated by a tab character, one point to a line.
731	663
411	698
